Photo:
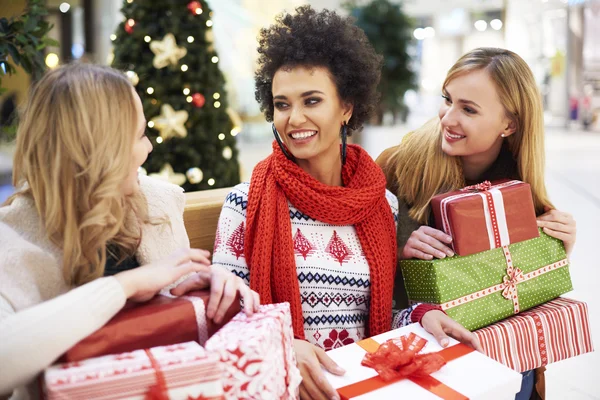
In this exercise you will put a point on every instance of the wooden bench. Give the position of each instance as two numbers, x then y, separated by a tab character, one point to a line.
201	216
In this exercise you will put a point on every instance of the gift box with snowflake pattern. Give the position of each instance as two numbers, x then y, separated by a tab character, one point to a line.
483	288
257	355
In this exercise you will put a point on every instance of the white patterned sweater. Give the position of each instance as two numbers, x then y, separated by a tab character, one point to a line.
332	270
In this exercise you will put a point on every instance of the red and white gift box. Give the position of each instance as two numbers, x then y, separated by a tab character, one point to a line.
161	321
183	371
542	335
257	355
486	216
467	374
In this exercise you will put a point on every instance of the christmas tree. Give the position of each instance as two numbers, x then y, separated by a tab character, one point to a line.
338	249
389	30
166	50
236	241
301	245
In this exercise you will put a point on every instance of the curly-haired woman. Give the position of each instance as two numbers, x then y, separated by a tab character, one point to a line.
315	226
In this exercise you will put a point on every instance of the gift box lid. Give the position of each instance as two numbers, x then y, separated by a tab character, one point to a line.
473	375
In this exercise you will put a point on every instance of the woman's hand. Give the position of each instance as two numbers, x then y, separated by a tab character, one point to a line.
441	326
142	283
224	288
426	243
559	225
314	385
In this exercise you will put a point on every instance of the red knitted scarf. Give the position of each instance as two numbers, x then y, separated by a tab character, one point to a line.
361	202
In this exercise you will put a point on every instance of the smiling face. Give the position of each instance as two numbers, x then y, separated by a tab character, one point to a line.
308	113
472	117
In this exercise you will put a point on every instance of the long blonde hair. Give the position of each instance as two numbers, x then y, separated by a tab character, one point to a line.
424	170
73	151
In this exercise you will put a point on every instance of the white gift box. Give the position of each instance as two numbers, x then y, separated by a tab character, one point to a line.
472	375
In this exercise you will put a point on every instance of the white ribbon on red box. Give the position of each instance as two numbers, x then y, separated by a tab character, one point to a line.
493	208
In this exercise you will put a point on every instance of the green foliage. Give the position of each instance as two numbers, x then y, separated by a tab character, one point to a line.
201	148
23	38
390	32
22	43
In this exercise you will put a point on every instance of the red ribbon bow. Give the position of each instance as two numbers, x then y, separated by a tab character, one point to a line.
511	279
398	358
480	187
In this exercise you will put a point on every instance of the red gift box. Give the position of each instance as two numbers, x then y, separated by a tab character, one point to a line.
184	371
161	321
486	216
257	355
545	334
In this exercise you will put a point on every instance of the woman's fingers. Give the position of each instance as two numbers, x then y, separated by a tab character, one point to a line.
460	333
249	297
436	234
328	363
319	385
434	247
410	252
228	297
217	286
256	301
183	256
199	280
565	237
557	226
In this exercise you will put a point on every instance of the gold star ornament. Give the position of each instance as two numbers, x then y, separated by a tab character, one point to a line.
166	51
168	175
170	123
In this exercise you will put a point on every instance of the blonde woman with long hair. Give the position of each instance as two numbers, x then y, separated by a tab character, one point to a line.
81	209
490	126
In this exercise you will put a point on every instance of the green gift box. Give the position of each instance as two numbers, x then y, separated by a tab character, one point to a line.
483	288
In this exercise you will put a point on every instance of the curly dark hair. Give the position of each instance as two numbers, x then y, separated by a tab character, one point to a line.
320	39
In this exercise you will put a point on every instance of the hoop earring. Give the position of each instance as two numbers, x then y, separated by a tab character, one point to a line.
344	133
281	146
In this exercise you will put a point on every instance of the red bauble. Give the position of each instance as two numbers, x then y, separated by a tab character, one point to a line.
195	7
198	100
129	24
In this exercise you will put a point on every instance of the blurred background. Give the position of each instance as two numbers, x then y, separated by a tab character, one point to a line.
420	39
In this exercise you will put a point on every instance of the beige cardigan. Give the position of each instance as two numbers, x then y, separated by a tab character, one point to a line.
40	317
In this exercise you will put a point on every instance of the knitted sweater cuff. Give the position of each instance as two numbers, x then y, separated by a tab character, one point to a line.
420	311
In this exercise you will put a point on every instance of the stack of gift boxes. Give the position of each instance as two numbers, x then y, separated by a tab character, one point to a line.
167	349
503	283
505	280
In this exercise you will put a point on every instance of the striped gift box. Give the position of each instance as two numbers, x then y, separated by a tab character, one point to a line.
185	371
548	333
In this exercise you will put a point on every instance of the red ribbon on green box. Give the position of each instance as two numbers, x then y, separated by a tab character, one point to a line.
513	277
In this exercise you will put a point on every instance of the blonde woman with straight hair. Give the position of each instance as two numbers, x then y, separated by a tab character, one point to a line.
81	213
490	126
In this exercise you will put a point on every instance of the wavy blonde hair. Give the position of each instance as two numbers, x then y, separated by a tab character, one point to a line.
424	170
73	153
